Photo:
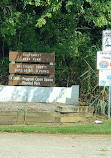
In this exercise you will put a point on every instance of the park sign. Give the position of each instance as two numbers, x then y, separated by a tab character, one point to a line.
31	57
23	68
31	69
23	80
104	60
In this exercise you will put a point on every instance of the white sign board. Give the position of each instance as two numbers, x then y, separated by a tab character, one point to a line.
106	40
103	60
104	77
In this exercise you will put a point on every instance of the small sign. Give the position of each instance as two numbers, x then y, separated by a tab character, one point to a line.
22	68
106	40
104	77
31	57
103	60
31	80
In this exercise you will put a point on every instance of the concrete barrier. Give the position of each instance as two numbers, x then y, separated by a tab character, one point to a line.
67	95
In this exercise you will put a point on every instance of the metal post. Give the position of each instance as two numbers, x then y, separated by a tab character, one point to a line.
109	102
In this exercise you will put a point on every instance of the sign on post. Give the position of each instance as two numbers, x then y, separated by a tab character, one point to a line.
27	64
31	57
31	80
104	77
106	40
21	68
103	60
104	64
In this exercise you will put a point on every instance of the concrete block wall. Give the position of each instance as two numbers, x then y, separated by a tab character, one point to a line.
67	95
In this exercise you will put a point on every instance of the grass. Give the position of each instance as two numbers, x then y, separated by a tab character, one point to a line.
104	128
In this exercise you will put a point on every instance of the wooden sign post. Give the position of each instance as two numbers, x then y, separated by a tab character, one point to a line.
26	64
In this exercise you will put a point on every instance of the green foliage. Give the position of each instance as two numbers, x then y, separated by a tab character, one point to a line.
4	64
71	29
104	128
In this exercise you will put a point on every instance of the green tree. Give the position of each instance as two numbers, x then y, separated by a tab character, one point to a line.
70	28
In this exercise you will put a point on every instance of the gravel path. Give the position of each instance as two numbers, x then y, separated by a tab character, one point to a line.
54	146
14	106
